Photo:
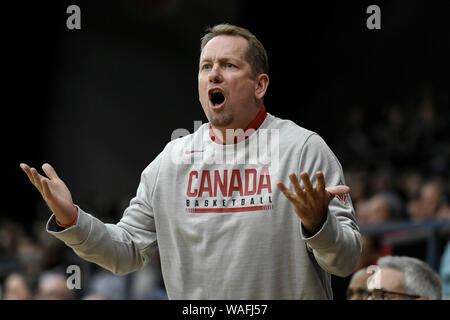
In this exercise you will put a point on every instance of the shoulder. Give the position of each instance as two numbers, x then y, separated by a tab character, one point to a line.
292	133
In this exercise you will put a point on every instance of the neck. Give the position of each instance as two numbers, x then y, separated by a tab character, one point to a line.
234	135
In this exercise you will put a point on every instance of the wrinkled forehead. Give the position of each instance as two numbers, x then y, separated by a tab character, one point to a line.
388	279
359	280
225	46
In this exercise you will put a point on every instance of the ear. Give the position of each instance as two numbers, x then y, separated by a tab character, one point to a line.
261	84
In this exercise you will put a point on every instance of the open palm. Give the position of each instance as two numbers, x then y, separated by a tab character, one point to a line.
53	190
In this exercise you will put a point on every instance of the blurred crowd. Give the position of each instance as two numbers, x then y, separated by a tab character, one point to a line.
397	160
35	265
396	163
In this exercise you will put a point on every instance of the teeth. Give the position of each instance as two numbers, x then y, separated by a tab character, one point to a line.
215	90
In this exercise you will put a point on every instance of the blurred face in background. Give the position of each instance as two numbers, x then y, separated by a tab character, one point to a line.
388	284
357	288
372	211
427	205
16	288
54	287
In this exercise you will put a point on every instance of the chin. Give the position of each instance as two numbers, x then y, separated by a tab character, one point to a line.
219	121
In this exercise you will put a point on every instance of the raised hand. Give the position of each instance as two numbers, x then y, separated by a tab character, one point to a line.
53	190
311	203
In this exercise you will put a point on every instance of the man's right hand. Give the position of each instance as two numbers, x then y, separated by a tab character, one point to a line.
54	191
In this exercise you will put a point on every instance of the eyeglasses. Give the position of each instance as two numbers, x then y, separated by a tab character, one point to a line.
360	293
381	294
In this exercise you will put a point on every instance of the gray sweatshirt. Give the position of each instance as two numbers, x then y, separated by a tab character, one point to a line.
222	227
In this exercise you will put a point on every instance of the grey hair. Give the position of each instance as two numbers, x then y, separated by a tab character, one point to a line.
419	278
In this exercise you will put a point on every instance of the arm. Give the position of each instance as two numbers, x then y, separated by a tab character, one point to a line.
121	248
327	223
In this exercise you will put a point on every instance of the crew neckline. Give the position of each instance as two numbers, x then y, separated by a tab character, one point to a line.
255	124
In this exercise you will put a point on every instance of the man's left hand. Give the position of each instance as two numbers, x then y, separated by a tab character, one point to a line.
311	203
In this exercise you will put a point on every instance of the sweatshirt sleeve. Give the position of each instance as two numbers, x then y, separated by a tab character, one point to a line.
123	247
337	245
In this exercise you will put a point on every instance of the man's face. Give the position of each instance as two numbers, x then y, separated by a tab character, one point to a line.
389	281
225	85
16	289
357	288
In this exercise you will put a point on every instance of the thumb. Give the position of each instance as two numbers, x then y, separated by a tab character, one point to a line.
338	190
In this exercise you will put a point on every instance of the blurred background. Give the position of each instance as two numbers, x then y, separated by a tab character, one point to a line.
101	102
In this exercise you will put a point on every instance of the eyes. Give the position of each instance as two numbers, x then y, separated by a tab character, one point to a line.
224	65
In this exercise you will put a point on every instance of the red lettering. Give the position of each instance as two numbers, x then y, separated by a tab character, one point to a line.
262	185
223	185
227	186
247	182
235	176
205	178
189	192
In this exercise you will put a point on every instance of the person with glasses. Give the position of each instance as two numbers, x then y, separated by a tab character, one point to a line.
404	278
357	288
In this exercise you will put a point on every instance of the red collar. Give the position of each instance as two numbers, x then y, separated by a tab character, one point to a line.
255	124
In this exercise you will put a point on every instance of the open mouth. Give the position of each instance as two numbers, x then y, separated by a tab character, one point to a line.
216	97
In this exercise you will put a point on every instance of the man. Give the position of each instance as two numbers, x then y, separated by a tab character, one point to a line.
222	229
18	287
404	278
383	207
357	288
53	286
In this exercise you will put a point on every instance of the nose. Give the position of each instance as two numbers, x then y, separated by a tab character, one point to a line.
214	75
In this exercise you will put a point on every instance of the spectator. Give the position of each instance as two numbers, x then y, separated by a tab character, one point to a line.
403	278
53	286
427	206
410	184
107	285
19	287
147	283
443	213
357	288
383	207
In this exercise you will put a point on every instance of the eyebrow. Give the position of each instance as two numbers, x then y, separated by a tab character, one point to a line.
223	58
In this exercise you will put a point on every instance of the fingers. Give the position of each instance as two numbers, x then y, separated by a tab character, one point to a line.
36	179
338	190
27	170
286	191
320	181
49	171
45	188
294	180
306	183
